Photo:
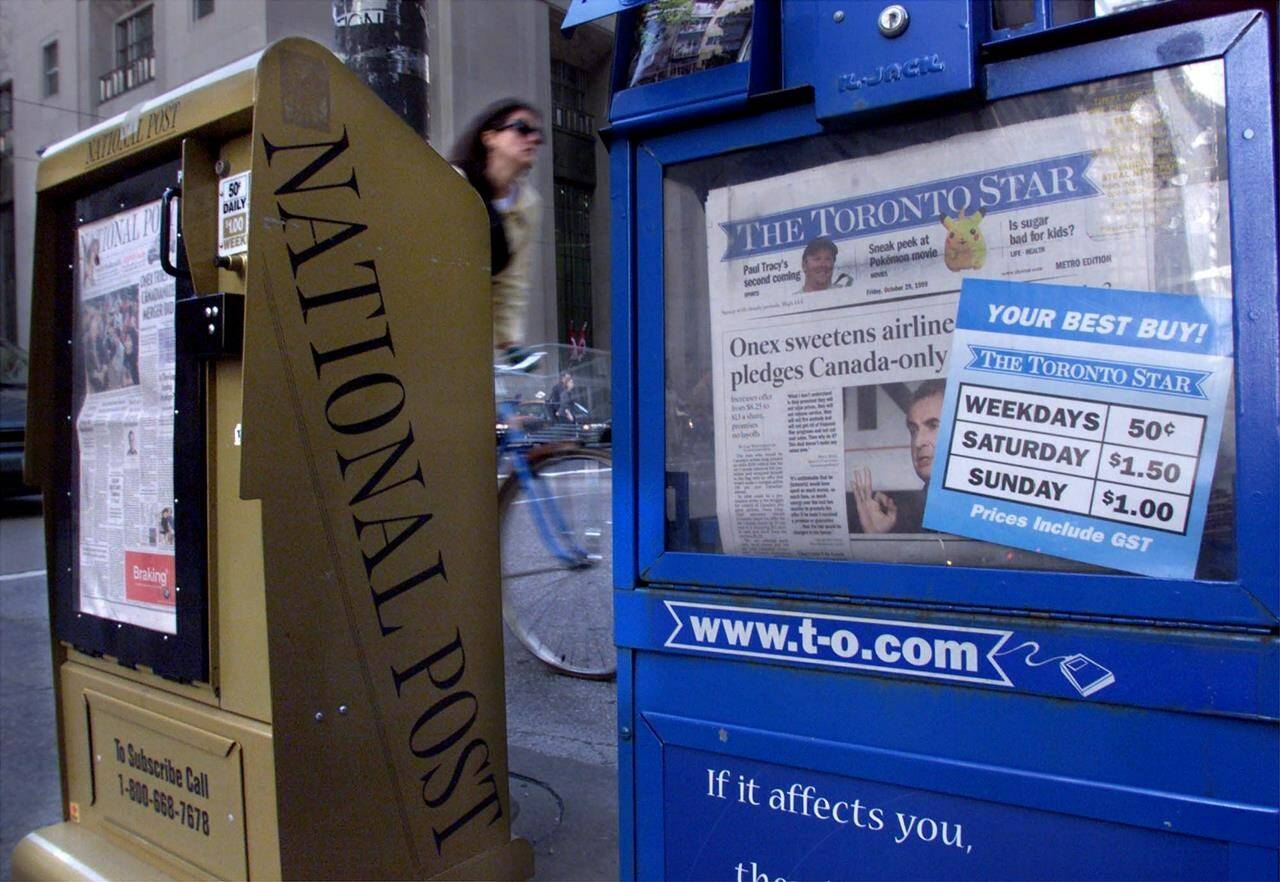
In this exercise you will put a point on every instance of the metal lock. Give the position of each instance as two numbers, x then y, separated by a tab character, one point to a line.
893	21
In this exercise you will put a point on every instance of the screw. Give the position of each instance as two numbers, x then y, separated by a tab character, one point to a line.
838	16
208	311
893	20
1248	134
342	709
221	167
625	732
319	716
213	329
215	310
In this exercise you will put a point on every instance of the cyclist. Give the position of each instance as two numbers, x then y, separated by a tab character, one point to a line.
563	399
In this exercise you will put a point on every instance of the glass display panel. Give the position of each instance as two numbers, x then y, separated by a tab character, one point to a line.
678	37
123	416
850	249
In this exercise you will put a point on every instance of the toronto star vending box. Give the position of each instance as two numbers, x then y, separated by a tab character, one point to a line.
945	439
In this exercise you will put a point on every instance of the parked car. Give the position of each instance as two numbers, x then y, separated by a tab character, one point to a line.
13	418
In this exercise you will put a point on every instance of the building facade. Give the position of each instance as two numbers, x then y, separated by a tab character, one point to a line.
68	64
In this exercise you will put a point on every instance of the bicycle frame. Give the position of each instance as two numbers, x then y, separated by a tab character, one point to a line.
548	519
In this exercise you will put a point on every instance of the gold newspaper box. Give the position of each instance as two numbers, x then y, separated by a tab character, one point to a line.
265	441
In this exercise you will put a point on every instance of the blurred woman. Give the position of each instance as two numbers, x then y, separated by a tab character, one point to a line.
495	152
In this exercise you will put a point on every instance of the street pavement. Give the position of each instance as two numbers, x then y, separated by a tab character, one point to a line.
29	788
561	731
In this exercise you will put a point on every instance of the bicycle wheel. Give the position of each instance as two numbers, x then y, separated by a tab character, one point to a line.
561	610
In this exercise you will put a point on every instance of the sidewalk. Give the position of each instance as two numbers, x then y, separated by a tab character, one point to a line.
562	734
569	811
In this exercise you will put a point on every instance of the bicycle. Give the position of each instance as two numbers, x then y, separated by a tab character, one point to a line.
555	509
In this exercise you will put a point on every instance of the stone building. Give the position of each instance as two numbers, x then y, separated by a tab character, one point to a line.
66	65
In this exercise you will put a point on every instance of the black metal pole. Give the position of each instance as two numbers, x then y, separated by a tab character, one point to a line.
385	43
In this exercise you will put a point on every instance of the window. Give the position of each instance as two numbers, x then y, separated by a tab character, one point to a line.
573	255
743	444
134	38
201	8
8	275
135	56
569	99
49	67
575	175
6	108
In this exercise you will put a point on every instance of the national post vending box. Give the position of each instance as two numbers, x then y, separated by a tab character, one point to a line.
271	527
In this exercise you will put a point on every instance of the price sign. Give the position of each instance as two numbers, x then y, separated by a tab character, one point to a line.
233	214
1083	423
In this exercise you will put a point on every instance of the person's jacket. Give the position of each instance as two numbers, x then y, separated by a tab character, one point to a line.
511	284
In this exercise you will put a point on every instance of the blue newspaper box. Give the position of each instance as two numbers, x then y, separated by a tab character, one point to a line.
945	439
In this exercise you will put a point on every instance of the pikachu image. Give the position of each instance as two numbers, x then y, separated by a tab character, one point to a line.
965	248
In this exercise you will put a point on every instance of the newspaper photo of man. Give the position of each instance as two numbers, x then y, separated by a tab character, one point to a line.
818	262
875	511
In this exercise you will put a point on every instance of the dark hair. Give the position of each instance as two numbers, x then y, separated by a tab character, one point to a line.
928	389
472	157
820	243
469	152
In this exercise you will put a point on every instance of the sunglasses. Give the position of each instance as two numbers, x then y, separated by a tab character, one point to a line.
522	128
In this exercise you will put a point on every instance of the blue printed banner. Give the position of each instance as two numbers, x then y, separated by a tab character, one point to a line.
1088	371
1022	186
930	651
1084	423
1137	319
